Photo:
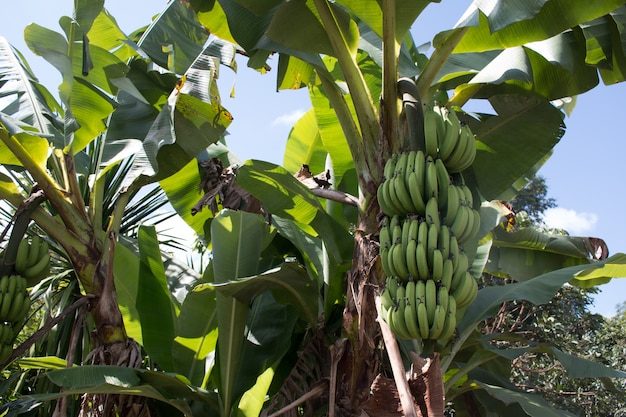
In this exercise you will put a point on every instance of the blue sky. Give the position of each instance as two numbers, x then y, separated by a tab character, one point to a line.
583	175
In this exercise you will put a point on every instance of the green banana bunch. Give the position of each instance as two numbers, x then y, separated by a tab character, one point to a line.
33	260
14	299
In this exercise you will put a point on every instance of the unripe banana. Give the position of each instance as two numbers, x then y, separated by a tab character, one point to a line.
382	200
422	233
33	253
416	193
448	329
39	270
443	244
463	290
395	226
454	251
392	285
22	256
460	223
394	200
464	234
459	270
448	272
443	297
420	292
422	320
453	205
420	171
402	192
398	258
453	162
386	261
432	212
406	227
398	315
5	352
4	284
7	299
422	262
16	307
433	127
411	259
390	166
431	299
452	130
384	234
410	311
433	243
388	199
385	298
443	182
437	265
431	179
470	150
438	321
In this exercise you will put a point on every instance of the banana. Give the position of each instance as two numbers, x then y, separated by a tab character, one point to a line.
449	326
384	235
433	243
6	333
431	299
460	223
7	299
453	161
22	255
385	298
459	270
410	165
15	308
443	297
420	170
422	320
439	320
437	265
386	193
473	232
390	166
406	227
403	158
453	206
464	235
402	192
4	284
466	195
386	260
431	185
420	292
382	200
33	253
39	269
443	182
416	193
443	243
410	311
395	226
448	271
463	290
422	262
411	258
454	251
394	200
422	233
398	315
432	129
5	353
392	285
432	212
398	258
470	150
452	130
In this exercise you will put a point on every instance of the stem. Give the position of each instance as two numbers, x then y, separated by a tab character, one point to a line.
389	116
361	97
73	219
436	62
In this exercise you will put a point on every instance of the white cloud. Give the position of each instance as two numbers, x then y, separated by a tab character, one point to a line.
572	221
289	118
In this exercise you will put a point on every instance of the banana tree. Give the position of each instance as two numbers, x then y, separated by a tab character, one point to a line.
277	283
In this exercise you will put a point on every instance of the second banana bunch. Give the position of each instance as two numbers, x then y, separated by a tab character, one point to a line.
429	216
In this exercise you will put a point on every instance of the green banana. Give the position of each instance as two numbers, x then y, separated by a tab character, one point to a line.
390	166
33	253
443	182
416	193
4	284
431	185
422	320
431	299
411	258
454	251
459	270
439	319
460	223
422	262
455	158
7	299
443	297
16	307
443	243
22	256
433	243
463	290
39	269
385	298
422	233
470	150
420	292
452	130
410	311
406	227
394	200
453	205
432	129
398	315
432	212
437	265
398	258
382	201
392	285
5	352
402	192
384	257
449	326
448	271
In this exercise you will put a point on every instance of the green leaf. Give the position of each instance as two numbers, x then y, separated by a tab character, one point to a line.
516	140
154	301
197	333
613	267
304	145
290	284
505	27
36	146
237	238
533	404
281	194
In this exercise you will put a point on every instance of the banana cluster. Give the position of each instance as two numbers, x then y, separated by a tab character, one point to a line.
448	139
14	305
33	260
429	216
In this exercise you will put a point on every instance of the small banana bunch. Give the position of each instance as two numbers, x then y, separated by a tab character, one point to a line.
14	305
430	215
33	260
